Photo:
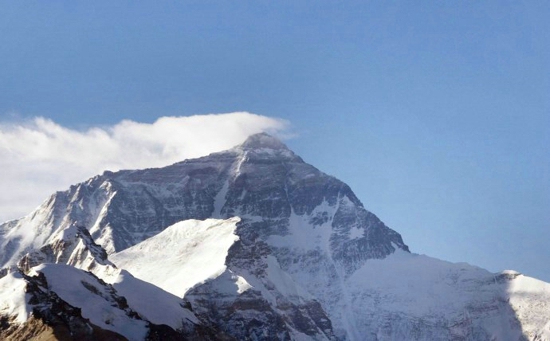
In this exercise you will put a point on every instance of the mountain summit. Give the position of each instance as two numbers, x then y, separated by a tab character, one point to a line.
264	146
263	140
261	245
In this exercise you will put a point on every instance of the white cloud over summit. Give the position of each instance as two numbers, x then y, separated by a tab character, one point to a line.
39	156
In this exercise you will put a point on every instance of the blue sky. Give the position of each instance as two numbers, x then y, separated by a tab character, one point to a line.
437	114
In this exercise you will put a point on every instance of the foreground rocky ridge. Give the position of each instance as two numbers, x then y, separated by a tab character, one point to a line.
300	259
60	302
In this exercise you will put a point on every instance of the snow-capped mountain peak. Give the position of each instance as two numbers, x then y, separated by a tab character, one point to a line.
263	146
261	245
262	141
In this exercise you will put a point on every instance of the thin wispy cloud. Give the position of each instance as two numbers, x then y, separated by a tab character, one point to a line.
39	156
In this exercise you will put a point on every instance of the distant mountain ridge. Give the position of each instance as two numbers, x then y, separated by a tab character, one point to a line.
287	252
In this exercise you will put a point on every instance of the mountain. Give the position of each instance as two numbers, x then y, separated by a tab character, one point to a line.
257	244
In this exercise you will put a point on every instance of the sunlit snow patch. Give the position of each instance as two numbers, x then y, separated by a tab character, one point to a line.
183	255
13	301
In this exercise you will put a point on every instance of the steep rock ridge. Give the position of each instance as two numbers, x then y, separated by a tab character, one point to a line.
82	205
73	246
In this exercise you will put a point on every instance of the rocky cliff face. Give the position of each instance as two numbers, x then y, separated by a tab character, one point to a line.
303	260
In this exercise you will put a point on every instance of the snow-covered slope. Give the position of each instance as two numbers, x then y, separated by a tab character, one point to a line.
294	256
79	288
183	255
13	302
414	297
153	304
30	310
62	294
